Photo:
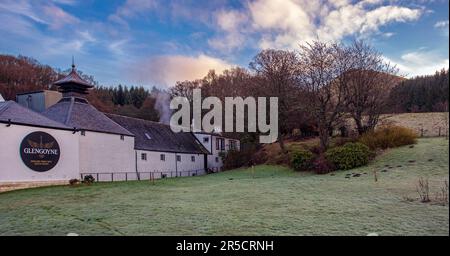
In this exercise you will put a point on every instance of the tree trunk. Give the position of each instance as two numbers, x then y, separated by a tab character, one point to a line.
359	125
324	139
281	142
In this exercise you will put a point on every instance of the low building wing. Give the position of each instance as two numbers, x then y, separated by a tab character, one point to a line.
154	136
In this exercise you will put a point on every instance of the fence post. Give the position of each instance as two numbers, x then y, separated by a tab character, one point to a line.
439	132
112	177
421	132
126	176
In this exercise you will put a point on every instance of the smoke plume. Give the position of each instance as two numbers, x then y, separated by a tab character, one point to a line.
162	105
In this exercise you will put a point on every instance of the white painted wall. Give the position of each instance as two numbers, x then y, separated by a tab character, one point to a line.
214	160
201	137
12	169
102	152
170	166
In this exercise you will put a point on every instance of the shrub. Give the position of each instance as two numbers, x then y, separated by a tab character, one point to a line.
321	165
73	182
389	137
88	179
301	160
349	156
234	159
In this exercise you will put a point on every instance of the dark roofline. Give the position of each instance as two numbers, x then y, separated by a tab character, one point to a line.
113	133
40	126
215	134
145	120
171	151
161	124
31	92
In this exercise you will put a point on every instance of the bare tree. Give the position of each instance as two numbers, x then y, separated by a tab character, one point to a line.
367	85
322	65
276	71
184	89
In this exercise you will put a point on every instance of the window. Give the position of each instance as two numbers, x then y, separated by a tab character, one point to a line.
217	159
122	137
144	156
83	133
179	158
220	144
233	144
193	158
205	139
163	157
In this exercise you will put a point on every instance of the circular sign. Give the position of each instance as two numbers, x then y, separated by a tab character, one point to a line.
39	151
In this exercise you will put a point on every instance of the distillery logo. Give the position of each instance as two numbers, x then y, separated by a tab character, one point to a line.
39	151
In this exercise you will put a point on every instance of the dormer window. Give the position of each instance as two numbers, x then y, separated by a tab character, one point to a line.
148	136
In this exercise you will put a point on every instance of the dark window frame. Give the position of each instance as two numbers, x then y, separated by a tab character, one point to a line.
144	156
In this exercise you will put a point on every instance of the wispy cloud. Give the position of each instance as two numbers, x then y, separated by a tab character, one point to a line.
286	23
131	8
167	70
43	12
441	24
420	62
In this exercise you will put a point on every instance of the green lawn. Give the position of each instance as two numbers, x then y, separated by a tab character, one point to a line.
276	201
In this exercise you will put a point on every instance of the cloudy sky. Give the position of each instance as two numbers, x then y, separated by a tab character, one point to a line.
157	42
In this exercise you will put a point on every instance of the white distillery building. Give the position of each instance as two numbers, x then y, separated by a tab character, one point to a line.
55	138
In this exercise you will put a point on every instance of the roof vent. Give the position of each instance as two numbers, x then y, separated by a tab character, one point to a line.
148	136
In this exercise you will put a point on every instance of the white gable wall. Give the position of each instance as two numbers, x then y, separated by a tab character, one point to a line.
12	168
106	153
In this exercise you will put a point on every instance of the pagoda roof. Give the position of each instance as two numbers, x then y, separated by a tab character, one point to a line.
73	79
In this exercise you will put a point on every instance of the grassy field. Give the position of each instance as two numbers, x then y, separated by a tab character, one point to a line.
428	124
272	201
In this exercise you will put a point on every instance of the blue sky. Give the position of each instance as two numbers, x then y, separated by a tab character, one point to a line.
158	42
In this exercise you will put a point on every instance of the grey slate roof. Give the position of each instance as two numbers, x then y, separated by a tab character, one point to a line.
162	138
78	113
18	114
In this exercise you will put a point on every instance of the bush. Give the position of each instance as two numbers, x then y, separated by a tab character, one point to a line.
349	156
88	179
321	165
389	137
73	182
301	160
234	159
